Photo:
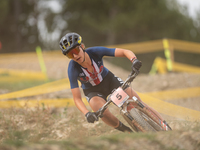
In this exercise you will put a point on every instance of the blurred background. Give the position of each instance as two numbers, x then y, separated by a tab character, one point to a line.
164	35
26	24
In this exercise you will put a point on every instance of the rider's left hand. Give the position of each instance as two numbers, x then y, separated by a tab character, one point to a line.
136	64
91	117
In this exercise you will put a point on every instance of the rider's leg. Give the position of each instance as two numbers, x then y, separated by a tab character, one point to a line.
132	93
96	103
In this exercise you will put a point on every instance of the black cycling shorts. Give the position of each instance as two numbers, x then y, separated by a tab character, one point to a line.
106	87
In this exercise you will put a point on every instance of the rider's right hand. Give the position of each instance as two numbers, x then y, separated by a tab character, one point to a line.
91	117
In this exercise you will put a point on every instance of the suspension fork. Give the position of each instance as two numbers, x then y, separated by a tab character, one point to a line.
127	106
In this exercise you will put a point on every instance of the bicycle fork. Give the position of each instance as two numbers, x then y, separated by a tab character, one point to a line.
125	109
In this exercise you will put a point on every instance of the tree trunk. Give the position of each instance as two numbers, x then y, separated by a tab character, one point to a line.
17	10
111	32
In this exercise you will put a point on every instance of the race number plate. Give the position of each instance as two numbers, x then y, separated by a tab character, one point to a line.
119	97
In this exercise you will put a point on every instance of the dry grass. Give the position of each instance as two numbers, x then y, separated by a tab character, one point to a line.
66	128
33	125
28	125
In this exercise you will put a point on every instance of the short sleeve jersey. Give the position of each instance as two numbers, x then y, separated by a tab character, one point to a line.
77	72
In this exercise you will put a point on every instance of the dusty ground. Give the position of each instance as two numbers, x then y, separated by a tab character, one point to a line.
56	65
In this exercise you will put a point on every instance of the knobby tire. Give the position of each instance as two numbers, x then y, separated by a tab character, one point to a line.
142	122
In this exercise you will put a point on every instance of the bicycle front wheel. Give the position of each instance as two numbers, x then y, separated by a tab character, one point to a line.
141	120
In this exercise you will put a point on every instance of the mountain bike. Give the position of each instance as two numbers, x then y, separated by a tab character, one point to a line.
137	115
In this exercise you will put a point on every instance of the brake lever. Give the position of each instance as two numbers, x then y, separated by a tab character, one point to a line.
133	74
134	71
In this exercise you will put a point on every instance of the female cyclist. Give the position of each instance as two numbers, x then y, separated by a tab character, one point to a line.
97	81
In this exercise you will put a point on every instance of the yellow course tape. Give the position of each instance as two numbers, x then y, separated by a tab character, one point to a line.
185	68
37	90
160	106
141	47
185	46
23	74
176	93
161	67
171	109
67	102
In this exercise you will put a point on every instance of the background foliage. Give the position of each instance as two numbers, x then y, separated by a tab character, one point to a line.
24	24
116	21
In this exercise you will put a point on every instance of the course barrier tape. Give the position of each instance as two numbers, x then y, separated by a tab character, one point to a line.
157	45
176	93
137	48
142	47
64	102
185	46
23	74
179	67
11	79
37	90
63	84
161	106
160	66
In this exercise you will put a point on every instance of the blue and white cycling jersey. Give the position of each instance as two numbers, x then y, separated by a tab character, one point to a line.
77	72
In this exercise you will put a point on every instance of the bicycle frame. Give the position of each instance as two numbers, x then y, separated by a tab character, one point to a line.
130	78
122	100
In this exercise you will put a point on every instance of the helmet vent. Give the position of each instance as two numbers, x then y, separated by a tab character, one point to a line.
65	42
62	46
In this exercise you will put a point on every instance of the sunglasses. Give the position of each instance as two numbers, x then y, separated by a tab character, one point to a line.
73	51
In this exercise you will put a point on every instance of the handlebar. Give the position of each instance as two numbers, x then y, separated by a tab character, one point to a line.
130	78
